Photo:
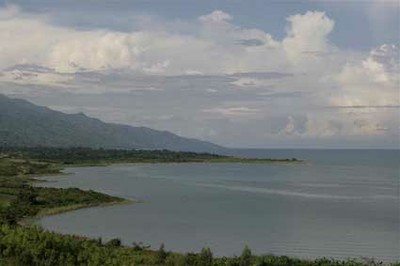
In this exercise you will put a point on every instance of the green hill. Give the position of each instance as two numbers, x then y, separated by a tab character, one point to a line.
25	124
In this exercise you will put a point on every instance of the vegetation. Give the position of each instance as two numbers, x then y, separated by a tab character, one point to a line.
19	199
20	166
34	246
25	124
88	156
14	176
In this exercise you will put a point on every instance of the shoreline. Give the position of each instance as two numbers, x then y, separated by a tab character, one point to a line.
251	161
29	222
125	201
35	178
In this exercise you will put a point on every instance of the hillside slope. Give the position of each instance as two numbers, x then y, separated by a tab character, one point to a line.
25	124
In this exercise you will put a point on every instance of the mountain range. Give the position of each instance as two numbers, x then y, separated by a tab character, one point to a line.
25	124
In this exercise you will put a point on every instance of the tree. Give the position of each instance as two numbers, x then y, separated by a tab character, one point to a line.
205	257
8	216
26	195
115	242
161	254
245	258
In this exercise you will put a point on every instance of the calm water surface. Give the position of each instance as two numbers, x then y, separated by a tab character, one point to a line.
338	204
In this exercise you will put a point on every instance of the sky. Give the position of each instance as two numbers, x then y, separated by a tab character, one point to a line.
256	74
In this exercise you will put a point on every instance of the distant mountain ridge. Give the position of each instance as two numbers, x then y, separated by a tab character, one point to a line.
25	124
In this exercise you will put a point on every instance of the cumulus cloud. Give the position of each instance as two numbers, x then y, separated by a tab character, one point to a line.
307	35
327	125
69	50
219	73
94	51
371	82
229	47
216	16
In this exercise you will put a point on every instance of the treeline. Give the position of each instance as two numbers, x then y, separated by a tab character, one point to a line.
34	246
27	201
89	156
79	155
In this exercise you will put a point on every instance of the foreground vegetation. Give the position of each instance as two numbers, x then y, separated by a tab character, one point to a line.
31	245
88	156
34	246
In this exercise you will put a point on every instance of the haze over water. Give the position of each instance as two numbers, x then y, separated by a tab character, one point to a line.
339	203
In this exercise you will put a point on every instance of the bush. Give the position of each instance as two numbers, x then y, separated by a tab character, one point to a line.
161	254
245	258
115	242
205	257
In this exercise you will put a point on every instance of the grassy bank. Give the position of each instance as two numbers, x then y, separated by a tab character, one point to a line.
35	246
20	200
30	220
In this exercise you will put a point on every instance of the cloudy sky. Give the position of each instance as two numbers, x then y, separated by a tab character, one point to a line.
314	74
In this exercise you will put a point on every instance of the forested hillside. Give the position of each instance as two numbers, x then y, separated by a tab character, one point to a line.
24	124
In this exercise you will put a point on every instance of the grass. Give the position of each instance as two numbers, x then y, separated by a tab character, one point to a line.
20	200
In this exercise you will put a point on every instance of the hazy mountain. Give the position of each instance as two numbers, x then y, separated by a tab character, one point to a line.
25	124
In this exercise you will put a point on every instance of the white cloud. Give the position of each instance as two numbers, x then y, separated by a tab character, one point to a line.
193	72
232	112
33	78
307	35
94	51
216	16
9	12
201	66
69	50
372	82
328	125
290	127
157	68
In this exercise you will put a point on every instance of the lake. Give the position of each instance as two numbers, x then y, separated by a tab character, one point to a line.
338	203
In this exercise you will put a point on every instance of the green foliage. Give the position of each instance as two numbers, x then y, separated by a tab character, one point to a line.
26	125
21	205
161	254
115	242
88	156
205	257
140	246
8	216
26	195
58	197
20	199
245	258
98	156
29	201
18	166
34	246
